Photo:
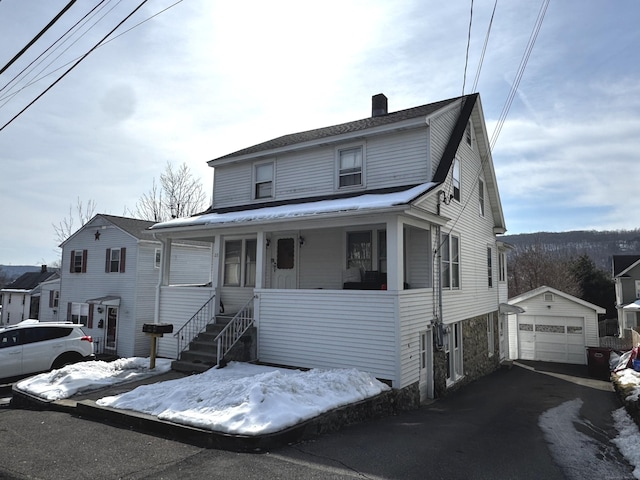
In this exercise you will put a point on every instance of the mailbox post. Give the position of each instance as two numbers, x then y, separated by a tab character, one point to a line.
155	331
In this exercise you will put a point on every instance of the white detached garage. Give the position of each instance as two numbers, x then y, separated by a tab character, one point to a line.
553	327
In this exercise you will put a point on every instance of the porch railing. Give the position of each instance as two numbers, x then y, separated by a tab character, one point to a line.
195	325
232	332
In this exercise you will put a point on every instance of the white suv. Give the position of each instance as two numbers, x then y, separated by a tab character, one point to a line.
32	346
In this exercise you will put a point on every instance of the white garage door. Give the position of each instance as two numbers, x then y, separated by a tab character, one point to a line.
552	339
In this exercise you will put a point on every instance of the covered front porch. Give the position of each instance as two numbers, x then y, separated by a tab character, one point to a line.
346	291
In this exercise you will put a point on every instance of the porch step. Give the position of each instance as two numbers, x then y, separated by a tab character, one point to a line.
202	353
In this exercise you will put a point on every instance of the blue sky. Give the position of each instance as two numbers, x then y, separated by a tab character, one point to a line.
206	78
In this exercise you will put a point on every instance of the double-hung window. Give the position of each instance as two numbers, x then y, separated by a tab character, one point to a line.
350	167
240	263
80	313
456	179
78	261
489	267
263	180
115	260
450	249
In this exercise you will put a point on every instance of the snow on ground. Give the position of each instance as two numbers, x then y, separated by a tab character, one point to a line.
628	439
249	399
87	376
238	399
580	456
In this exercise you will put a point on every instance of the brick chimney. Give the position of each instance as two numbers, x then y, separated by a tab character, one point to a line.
43	269
379	105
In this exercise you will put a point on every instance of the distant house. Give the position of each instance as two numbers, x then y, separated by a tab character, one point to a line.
110	274
49	300
21	298
370	245
626	276
552	326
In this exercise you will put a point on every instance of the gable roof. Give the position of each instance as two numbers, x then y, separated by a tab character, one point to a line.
623	263
343	128
544	289
136	228
30	280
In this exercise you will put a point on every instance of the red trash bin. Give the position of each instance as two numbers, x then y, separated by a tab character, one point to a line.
598	362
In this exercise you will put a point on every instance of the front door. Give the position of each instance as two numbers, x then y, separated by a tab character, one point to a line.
283	262
426	366
111	330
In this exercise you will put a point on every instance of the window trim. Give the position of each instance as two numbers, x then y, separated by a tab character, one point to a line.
243	280
255	183
468	134
489	266
456	179
338	170
76	267
157	258
445	241
481	202
120	263
502	267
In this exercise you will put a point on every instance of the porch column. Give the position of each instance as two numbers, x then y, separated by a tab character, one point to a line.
260	256
395	254
215	262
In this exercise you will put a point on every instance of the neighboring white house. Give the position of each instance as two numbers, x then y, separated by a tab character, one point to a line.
110	271
370	244
49	300
626	276
553	327
21	298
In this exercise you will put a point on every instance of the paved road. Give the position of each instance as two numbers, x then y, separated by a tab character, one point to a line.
488	430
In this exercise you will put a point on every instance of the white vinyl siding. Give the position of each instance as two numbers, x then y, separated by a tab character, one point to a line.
355	329
413	305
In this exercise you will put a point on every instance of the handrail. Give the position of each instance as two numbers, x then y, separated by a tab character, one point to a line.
195	325
232	332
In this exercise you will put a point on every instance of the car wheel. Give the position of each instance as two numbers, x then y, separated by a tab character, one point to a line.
65	359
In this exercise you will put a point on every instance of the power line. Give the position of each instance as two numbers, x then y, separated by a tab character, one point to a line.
520	72
484	49
466	58
74	65
34	39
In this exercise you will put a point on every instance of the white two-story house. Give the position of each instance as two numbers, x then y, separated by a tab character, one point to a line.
370	245
109	275
626	277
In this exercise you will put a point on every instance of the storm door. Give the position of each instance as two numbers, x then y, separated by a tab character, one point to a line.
283	262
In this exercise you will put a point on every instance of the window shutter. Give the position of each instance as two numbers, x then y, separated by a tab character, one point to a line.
69	312
90	321
123	256
84	261
73	255
50	298
107	260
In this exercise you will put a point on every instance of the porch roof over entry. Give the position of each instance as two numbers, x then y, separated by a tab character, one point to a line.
308	209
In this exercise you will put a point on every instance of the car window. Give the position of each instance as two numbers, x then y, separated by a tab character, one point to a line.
10	338
40	334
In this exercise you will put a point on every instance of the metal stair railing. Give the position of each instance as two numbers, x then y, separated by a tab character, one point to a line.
232	332
195	325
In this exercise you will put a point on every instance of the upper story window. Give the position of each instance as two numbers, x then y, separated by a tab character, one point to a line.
115	260
456	179
637	288
350	167
157	257
78	261
468	134
489	267
481	197
450	261
263	180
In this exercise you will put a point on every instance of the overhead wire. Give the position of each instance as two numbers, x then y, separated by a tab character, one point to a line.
520	72
38	35
74	65
484	48
51	46
466	58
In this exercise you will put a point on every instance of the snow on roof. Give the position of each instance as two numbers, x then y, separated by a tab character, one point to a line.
308	209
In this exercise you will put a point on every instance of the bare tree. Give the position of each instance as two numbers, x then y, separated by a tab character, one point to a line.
83	213
180	195
534	267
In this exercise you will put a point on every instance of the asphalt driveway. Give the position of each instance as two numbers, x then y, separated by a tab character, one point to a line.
491	429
